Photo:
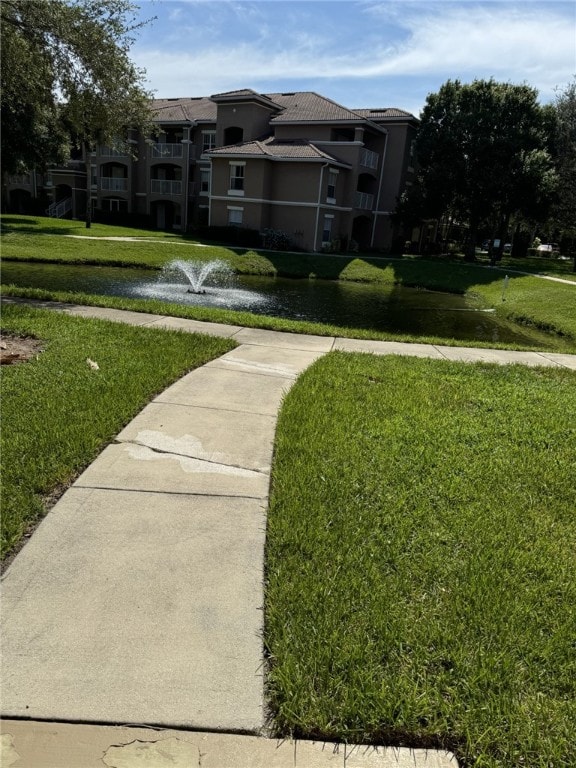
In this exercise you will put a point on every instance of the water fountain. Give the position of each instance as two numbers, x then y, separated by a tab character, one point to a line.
198	272
202	283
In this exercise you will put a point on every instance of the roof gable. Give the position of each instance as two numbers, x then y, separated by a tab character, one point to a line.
275	149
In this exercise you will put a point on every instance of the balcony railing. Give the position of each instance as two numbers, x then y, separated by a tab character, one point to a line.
369	159
21	180
113	152
166	150
164	187
364	201
59	208
112	184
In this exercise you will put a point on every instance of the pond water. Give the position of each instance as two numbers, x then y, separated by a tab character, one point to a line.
385	308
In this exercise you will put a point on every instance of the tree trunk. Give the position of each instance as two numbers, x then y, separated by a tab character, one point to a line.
470	251
88	215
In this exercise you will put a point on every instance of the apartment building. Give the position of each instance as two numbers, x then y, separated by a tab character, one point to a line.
299	163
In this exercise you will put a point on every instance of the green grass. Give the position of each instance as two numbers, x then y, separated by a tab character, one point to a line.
421	578
542	341
547	305
14	223
58	413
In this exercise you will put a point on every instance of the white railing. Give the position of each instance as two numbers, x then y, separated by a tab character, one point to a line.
364	201
58	209
164	187
113	152
369	159
21	179
113	184
166	150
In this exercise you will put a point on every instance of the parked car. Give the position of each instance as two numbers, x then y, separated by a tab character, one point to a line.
547	248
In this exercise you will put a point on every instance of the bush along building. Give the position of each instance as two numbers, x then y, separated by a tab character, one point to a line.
280	170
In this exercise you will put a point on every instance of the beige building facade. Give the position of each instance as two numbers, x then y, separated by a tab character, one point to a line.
323	176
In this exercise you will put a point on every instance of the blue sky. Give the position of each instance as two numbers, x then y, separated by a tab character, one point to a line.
361	54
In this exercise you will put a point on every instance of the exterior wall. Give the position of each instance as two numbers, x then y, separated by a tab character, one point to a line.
397	163
253	118
296	182
311	131
298	222
288	195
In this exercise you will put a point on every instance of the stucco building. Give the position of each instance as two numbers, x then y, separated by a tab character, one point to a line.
324	175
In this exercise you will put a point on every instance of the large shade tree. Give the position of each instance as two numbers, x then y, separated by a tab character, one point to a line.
483	154
563	215
67	78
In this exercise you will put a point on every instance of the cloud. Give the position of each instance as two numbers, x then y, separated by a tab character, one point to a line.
412	41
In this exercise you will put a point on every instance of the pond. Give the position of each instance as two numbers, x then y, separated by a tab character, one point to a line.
384	308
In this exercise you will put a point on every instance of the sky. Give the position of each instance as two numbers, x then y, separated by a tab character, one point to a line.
369	53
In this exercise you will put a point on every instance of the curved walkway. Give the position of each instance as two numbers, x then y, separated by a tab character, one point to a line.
139	599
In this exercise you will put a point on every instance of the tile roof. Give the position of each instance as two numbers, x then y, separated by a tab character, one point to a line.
383	112
185	109
299	106
275	149
309	106
241	92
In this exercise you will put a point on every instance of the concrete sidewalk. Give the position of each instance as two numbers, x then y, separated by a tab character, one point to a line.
139	599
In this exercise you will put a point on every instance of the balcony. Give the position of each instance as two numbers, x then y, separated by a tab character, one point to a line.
112	152
112	184
163	151
369	159
364	201
165	187
20	180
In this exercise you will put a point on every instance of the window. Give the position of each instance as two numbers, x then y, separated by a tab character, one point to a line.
93	176
205	181
235	216
327	229
332	179
208	140
114	205
236	179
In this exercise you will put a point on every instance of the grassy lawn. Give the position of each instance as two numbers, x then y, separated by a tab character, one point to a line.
529	300
421	578
15	223
58	413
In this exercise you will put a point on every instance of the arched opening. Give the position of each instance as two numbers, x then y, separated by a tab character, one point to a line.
166	214
166	179
62	192
21	201
362	231
366	183
114	177
233	135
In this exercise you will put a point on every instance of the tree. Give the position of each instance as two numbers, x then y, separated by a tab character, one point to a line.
67	79
563	215
483	155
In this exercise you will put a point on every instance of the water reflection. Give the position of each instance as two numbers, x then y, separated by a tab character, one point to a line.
356	305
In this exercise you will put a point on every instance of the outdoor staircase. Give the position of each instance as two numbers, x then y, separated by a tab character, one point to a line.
60	208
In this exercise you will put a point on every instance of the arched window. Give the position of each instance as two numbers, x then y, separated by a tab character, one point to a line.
233	135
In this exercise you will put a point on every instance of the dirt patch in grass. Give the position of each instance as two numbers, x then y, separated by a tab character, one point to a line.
18	349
